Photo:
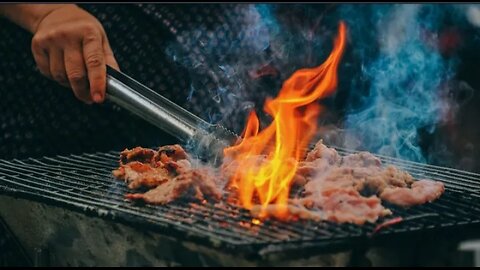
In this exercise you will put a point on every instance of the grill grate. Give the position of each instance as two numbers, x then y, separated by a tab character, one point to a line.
84	183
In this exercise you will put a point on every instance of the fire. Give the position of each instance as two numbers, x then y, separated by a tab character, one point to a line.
268	159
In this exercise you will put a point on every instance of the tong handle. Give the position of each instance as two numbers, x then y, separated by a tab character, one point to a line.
151	106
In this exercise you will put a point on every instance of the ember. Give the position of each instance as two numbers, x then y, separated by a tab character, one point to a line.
266	70
256	221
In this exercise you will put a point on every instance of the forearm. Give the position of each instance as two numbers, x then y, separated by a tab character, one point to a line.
28	16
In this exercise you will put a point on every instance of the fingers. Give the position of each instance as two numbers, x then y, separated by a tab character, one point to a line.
41	58
94	58
57	67
77	73
76	60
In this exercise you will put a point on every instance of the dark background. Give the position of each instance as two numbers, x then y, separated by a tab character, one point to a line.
39	118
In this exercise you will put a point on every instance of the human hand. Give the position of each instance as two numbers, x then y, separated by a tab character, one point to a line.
71	47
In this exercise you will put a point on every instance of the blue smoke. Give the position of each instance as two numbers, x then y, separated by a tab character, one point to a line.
402	71
405	75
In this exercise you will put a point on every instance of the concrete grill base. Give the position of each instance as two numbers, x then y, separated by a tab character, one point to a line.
54	236
72	239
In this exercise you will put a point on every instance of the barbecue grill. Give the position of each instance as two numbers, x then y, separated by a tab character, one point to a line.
69	210
72	207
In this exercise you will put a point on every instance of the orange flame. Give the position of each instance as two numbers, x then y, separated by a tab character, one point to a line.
268	159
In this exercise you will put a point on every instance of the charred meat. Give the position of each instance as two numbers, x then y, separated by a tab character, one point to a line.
167	172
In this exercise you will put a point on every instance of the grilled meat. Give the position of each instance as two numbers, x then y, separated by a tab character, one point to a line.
141	167
138	174
168	172
347	205
365	174
321	151
361	159
341	205
295	211
142	155
197	182
169	153
420	192
338	189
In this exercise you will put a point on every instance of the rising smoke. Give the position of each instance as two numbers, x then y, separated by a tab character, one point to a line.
395	96
405	82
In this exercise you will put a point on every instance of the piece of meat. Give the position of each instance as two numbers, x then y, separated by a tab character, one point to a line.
346	205
139	154
390	183
169	153
299	180
396	177
179	166
322	151
131	171
361	159
137	174
198	183
362	170
421	192
141	167
295	212
311	168
319	160
345	189
163	194
348	190
336	205
167	170
375	179
338	177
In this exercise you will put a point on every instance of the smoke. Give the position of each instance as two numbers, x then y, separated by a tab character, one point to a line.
233	67
397	95
219	62
405	77
222	59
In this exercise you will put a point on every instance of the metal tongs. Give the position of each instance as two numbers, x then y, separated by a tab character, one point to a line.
208	140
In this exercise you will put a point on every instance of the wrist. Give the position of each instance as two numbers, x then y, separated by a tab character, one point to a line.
29	16
41	12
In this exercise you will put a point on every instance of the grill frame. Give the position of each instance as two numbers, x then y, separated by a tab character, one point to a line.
457	183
